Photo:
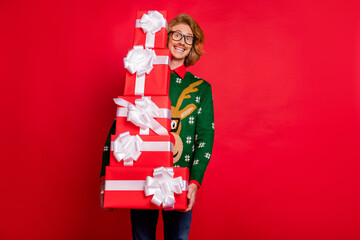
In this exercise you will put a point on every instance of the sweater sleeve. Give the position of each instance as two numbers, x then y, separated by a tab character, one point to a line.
106	151
204	135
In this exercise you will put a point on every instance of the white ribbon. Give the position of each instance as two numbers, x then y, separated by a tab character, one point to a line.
163	186
130	185
142	114
124	185
141	61
150	24
129	148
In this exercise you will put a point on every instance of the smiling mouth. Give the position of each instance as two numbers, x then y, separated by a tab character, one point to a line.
179	49
175	154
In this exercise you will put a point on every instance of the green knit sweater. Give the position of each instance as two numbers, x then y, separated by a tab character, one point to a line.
192	124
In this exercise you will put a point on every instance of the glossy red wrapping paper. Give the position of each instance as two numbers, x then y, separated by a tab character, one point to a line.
137	199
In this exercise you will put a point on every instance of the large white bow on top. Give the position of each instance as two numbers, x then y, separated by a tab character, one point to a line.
150	24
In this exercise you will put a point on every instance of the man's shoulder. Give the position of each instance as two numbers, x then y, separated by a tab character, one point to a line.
193	78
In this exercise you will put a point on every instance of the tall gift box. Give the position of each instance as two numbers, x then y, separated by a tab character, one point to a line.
143	115
129	151
151	29
146	188
148	72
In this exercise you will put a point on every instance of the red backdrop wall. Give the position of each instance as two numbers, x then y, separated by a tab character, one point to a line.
285	77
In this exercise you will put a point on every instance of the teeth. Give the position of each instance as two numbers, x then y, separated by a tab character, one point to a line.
179	49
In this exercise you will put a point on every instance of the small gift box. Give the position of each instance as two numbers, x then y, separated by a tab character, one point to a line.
151	29
143	115
148	72
141	151
146	188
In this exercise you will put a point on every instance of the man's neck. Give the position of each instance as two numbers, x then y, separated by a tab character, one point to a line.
175	63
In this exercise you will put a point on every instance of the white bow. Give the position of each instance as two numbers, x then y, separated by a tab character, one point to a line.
127	148
140	60
152	22
142	114
163	186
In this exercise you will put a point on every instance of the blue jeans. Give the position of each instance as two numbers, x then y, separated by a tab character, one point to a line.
176	224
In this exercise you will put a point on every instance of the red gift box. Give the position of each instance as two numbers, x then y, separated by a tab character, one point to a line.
125	188
155	151
131	109
154	83
153	21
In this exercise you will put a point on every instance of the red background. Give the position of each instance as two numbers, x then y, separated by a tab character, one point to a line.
285	77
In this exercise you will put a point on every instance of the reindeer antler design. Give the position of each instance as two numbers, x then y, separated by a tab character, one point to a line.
185	93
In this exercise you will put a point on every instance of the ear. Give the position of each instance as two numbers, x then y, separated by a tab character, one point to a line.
187	111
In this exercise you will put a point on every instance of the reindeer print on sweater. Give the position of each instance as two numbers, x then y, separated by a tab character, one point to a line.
192	123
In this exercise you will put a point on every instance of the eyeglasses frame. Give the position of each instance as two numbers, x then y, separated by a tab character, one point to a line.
182	36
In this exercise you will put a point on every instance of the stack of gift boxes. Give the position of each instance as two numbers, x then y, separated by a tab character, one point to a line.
140	174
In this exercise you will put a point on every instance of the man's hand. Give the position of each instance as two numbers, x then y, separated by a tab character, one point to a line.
102	189
192	188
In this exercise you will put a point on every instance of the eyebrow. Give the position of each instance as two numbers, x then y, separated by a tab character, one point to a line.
190	34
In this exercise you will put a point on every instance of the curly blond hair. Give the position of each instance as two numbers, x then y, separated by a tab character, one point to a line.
196	49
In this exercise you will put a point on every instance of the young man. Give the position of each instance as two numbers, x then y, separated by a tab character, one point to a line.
192	124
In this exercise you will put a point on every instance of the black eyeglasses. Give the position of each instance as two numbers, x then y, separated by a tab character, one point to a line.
177	36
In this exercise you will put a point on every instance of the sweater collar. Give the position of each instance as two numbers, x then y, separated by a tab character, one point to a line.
180	71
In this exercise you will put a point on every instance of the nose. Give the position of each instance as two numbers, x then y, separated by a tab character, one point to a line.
182	40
